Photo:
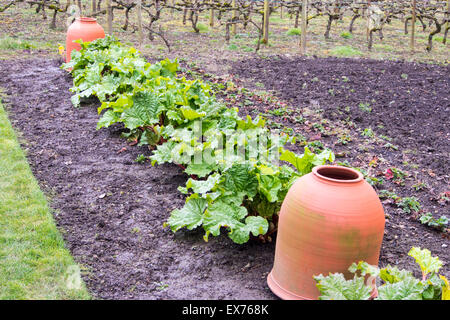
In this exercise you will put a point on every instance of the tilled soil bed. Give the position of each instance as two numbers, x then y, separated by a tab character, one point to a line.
111	209
408	102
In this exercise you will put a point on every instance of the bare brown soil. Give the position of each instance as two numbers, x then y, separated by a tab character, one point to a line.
111	209
409	103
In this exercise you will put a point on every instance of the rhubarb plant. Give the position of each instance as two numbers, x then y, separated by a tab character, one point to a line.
236	182
396	284
243	198
105	68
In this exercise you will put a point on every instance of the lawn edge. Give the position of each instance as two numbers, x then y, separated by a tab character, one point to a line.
34	262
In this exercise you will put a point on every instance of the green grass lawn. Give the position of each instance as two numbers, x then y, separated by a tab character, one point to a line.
34	264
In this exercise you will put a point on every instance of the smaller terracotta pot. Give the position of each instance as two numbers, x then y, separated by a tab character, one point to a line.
329	219
86	29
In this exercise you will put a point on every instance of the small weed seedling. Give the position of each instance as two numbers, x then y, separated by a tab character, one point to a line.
375	182
289	131
140	158
444	198
300	138
274	125
299	119
136	230
161	286
344	163
409	204
386	194
427	219
316	145
278	112
365	107
319	127
344	139
391	146
368	133
420	186
398	176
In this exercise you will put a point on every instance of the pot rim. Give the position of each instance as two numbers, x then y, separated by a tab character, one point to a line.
349	175
86	19
281	292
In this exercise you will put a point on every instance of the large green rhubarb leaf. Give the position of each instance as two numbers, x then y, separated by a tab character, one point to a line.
263	207
241	178
201	169
393	274
190	216
149	137
323	157
253	224
163	153
269	186
433	287
409	288
425	260
302	163
201	186
169	68
229	215
250	123
335	287
120	105
364	268
107	119
191	114
308	160
108	86
146	110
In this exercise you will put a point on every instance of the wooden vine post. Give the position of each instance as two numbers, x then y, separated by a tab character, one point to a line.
413	25
139	22
447	25
368	20
304	27
233	26
109	16
79	6
281	9
93	6
266	22
211	14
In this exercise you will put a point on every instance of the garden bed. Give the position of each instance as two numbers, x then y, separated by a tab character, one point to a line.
408	102
406	107
111	209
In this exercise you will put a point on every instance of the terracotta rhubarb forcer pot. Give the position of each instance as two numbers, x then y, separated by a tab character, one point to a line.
329	219
86	29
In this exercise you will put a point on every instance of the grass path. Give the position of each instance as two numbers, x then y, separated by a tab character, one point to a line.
34	264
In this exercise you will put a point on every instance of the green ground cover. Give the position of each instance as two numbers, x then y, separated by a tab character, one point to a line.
34	264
